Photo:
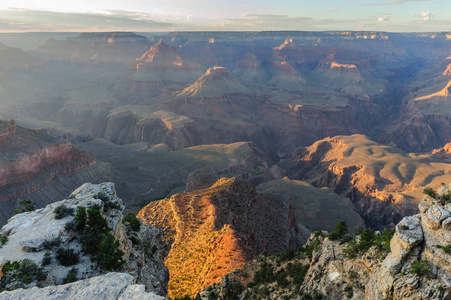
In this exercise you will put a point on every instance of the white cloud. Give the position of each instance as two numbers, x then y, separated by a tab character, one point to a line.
383	19
426	15
26	20
402	1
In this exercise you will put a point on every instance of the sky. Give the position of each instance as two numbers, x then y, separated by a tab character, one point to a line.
222	15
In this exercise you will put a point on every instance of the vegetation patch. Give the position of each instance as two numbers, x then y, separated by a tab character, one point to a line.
63	211
369	238
132	221
52	242
71	276
108	203
18	274
3	240
97	241
446	249
420	268
25	206
67	257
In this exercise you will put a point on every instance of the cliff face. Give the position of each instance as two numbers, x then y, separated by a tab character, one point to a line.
213	231
95	48
112	286
31	159
382	182
38	236
416	266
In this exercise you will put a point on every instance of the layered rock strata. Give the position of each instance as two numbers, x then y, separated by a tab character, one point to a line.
39	236
213	231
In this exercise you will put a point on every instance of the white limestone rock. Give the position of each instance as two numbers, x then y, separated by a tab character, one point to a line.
410	230
106	287
28	232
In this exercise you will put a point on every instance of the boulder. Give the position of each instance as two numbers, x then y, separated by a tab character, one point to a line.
106	287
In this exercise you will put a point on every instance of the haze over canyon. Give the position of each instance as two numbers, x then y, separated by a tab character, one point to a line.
233	144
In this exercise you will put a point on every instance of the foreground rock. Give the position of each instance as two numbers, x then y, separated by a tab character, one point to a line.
214	231
42	248
107	287
414	264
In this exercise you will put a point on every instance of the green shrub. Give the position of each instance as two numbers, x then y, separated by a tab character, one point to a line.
349	291
366	240
108	203
25	271
420	267
101	196
96	222
98	242
135	240
404	227
430	192
3	239
80	218
63	211
282	280
108	256
339	231
297	271
132	221
446	197
47	259
67	257
52	242
71	276
446	249
359	285
25	206
288	254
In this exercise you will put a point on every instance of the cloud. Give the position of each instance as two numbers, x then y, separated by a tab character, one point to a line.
32	20
263	22
383	19
426	15
391	2
402	1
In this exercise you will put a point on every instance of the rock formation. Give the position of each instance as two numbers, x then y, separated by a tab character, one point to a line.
357	267
59	242
316	208
213	231
95	48
112	286
33	164
384	183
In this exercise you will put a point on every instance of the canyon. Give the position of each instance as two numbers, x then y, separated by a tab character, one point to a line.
234	144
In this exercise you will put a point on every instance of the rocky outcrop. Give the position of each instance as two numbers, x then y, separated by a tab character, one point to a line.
40	236
213	231
95	48
414	264
216	82
416	268
317	208
382	182
139	123
31	159
158	67
200	179
112	286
